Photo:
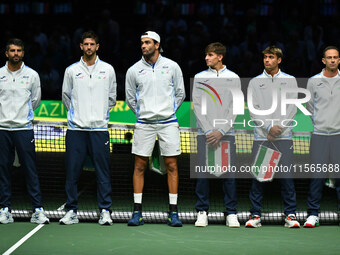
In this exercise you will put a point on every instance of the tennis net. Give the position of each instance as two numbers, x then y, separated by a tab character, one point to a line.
50	147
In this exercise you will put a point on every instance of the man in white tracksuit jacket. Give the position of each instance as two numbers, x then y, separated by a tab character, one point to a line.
215	85
274	131
20	95
154	91
89	92
324	147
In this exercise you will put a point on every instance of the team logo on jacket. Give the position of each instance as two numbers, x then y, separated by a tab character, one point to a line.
25	77
142	72
2	79
320	85
165	72
79	76
102	77
262	86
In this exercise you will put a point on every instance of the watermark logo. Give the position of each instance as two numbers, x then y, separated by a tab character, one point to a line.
204	105
220	100
238	100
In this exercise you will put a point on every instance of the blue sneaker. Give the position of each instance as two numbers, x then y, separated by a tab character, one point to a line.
136	219
173	219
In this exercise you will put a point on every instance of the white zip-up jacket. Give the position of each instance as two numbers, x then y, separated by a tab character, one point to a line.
20	95
261	88
89	96
213	87
324	104
155	92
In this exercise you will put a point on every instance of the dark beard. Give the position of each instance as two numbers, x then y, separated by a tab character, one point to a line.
89	56
149	55
14	62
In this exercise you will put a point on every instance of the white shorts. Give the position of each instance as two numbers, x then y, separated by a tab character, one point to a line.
144	139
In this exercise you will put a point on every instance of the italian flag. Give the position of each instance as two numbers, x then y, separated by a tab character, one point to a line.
218	158
265	162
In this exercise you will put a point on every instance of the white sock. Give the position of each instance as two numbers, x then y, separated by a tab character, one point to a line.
173	199
137	198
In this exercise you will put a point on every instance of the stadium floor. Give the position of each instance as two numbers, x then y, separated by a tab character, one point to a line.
91	238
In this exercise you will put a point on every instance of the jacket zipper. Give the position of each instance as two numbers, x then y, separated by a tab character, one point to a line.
90	85
153	84
13	94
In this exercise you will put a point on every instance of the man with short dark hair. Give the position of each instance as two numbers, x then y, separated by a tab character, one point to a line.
324	146
270	132
89	92
20	95
219	80
154	92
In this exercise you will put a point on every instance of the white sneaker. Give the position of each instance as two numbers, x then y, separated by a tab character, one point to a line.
39	216
291	221
312	222
232	221
5	216
105	218
202	219
69	218
254	222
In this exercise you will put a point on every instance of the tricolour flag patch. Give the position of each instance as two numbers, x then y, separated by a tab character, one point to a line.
218	158
265	162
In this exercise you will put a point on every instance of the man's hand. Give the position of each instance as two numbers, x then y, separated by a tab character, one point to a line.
275	131
270	138
214	137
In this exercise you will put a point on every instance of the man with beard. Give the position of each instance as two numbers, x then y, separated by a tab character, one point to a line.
154	92
20	95
89	92
324	146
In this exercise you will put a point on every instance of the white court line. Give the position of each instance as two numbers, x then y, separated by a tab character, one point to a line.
22	240
36	229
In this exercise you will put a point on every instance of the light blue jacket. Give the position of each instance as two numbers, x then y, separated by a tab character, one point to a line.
261	88
89	96
20	95
324	104
155	92
216	87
